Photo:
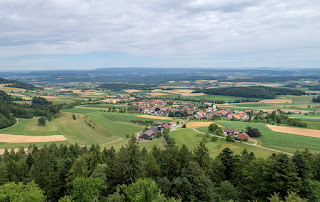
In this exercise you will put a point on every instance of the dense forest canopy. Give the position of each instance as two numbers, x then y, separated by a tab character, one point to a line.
18	84
170	174
251	91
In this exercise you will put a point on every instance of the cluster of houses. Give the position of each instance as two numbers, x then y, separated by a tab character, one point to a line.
153	130
162	107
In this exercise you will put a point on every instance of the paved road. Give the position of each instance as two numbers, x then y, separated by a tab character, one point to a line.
255	145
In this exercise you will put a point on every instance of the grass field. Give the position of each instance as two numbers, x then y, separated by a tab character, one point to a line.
92	127
281	141
192	139
85	130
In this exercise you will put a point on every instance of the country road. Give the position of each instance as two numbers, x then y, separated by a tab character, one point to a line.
255	145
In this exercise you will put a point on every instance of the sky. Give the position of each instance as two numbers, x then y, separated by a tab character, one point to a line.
89	34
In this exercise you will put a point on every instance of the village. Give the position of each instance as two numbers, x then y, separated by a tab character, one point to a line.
160	107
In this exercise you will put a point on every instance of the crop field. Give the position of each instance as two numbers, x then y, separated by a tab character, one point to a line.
276	140
192	139
295	130
199	124
104	106
155	117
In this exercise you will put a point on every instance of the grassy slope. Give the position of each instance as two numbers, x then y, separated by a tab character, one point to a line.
78	130
192	139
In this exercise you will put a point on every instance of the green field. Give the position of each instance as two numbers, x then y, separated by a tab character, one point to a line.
281	141
192	139
94	127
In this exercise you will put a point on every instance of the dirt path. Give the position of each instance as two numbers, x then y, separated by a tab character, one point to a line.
255	145
113	141
11	126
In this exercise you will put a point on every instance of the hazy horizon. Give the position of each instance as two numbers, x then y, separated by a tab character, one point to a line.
85	35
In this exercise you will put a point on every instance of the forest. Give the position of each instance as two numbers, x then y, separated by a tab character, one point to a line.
18	84
9	111
74	173
251	91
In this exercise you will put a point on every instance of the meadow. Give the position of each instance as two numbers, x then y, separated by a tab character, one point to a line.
90	127
192	139
281	141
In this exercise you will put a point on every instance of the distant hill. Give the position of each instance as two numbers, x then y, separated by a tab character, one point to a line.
18	84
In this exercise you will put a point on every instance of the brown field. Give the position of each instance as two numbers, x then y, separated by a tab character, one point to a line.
184	92
132	91
51	98
295	131
228	145
28	139
111	100
155	117
276	101
271	85
200	124
155	94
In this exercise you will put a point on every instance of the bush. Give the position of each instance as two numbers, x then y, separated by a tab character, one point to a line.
214	139
229	138
184	126
254	132
41	121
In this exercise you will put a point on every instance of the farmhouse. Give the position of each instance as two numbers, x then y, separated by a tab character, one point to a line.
151	132
232	132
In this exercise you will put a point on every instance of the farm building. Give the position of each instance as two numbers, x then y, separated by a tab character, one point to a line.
243	136
232	132
151	132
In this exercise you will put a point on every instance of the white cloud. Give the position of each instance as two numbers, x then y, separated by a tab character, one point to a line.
166	28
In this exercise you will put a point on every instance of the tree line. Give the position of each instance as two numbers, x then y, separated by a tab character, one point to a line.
68	173
251	91
18	84
39	106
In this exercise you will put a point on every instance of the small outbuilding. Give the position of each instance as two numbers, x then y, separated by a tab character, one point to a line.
243	136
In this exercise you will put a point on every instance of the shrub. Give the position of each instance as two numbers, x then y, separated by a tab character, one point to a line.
254	132
229	138
41	121
214	139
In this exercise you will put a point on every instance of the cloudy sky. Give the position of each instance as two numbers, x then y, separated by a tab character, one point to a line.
88	34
